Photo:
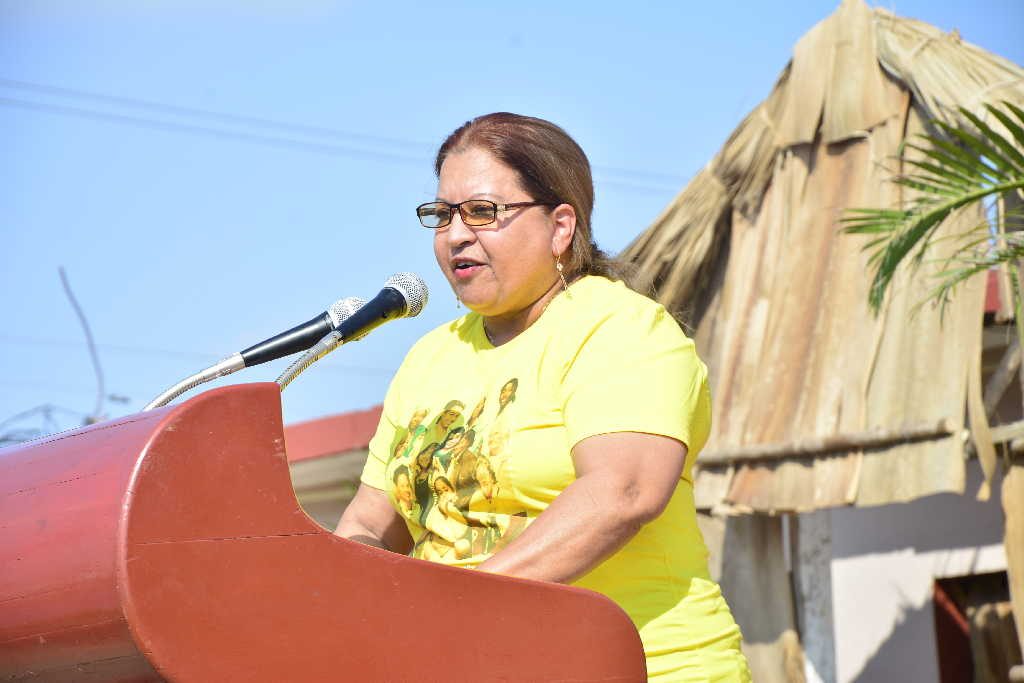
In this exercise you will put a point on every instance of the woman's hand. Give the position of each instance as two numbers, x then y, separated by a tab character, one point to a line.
370	519
623	481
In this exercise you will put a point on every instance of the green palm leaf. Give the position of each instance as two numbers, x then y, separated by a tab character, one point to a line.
955	168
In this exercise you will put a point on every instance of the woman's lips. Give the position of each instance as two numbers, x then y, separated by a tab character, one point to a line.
468	270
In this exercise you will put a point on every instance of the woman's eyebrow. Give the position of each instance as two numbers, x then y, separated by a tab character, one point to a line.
478	195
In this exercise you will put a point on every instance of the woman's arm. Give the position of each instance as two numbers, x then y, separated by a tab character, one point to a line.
370	519
624	481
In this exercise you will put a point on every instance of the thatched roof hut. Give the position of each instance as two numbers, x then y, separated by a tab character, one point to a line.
817	402
751	257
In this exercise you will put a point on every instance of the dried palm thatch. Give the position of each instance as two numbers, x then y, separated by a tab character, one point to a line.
817	402
750	255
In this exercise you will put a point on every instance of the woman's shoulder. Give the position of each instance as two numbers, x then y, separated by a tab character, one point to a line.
610	326
598	302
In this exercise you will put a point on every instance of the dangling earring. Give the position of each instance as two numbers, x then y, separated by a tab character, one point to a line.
558	267
458	302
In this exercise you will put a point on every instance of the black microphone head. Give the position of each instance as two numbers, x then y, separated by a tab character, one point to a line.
341	309
303	336
413	288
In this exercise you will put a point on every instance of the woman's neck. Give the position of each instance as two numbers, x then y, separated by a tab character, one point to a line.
501	329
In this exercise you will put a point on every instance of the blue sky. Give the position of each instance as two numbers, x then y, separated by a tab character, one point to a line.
211	173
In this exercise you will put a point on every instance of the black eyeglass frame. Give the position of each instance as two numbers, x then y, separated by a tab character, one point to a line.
468	219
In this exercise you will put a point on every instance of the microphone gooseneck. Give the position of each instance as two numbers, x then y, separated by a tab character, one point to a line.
296	339
404	295
232	363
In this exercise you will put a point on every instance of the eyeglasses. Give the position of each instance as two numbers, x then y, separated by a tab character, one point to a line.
474	212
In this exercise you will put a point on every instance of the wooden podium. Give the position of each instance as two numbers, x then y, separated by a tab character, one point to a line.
169	545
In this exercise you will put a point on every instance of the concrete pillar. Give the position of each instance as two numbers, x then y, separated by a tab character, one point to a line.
812	575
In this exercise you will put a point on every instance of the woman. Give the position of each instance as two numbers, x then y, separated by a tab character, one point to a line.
447	419
611	401
508	394
485	498
444	453
447	530
462	468
424	469
405	502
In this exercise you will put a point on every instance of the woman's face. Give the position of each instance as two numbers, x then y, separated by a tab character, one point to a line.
425	456
417	419
507	392
403	489
499	269
447	418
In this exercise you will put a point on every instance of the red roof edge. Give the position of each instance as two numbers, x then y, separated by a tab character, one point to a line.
992	297
332	434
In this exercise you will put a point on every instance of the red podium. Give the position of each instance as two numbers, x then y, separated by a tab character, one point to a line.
169	545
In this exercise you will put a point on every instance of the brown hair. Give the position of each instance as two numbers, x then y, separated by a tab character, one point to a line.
551	167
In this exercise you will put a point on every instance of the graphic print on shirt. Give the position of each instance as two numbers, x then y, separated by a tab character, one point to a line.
447	474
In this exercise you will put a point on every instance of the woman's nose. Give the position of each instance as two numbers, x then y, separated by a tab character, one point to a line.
459	232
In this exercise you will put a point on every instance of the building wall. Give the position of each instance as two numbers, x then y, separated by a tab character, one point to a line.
884	563
325	485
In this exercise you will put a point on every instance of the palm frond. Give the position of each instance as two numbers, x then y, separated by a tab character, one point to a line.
949	279
954	160
961	167
1016	129
1014	155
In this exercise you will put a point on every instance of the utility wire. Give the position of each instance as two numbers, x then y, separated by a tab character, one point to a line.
288	126
49	424
193	355
116	348
223	117
333	150
37	384
47	410
419	151
336	150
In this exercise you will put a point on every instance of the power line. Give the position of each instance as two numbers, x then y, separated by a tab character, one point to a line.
185	354
142	122
276	124
49	386
224	117
49	424
46	410
117	348
632	177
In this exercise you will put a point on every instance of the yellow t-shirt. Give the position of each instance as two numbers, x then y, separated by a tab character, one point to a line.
475	442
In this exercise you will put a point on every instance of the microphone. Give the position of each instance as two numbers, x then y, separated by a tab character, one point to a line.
288	342
404	295
300	337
